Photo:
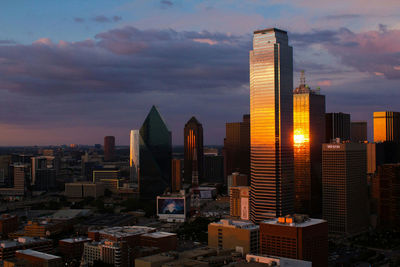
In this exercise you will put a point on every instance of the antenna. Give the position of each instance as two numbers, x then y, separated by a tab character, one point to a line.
302	78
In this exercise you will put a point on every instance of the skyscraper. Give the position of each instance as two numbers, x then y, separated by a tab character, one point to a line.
155	156
193	143
134	163
344	183
109	148
337	126
386	126
358	131
271	125
176	183
237	147
309	135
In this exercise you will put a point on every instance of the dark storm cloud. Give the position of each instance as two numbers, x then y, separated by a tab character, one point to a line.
166	4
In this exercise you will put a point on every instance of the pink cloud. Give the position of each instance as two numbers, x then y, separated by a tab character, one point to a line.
205	41
324	83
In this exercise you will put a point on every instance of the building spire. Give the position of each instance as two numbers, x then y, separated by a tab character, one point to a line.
302	79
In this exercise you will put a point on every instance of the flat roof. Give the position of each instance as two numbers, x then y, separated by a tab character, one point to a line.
75	240
269	30
236	223
159	234
306	223
122	231
156	258
38	254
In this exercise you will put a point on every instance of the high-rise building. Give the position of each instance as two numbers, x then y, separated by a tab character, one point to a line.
296	237
337	126
239	202
386	193
109	148
237	179
230	234
155	156
193	143
176	184
359	131
344	187
213	169
386	126
271	125
309	135
134	161
237	147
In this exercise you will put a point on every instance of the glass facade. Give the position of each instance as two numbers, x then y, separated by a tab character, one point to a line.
386	126
309	135
155	156
271	125
134	156
193	143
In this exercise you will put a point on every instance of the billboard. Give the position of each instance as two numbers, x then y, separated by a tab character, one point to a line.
174	206
244	208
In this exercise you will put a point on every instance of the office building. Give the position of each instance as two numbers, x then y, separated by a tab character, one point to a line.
81	190
236	150
193	144
176	183
155	156
337	126
238	235
8	224
109	148
213	169
386	126
72	248
237	179
386	194
114	253
295	237
271	125
43	175
359	131
239	202
101	174
21	177
162	240
134	156
28	257
344	185
309	135
5	179
9	247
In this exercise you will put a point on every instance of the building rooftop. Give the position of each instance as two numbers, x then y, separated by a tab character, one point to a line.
236	224
269	30
123	231
20	241
294	221
76	240
38	254
157	258
159	234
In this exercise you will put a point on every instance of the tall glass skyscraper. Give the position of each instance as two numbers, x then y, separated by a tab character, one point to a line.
309	135
155	156
193	144
271	125
134	156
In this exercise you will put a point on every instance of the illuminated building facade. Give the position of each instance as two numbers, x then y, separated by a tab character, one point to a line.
193	144
271	125
237	147
134	162
386	126
309	135
109	148
155	156
176	185
337	126
344	187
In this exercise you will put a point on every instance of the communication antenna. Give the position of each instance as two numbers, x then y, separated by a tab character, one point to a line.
302	78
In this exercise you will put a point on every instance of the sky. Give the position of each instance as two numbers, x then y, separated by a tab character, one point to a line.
75	71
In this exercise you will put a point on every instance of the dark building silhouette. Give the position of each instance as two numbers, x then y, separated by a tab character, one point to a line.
109	148
236	150
386	194
337	126
271	125
155	156
386	126
359	131
296	237
213	168
309	135
344	184
193	143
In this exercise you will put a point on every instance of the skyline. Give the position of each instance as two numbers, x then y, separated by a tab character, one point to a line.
94	71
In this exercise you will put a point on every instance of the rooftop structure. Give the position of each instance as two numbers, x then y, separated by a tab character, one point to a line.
38	254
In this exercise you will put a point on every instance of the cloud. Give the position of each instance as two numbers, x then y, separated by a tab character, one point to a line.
324	83
343	16
79	20
7	42
104	19
166	4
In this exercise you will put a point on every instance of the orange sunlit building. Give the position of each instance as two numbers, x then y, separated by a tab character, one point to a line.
386	126
193	144
309	135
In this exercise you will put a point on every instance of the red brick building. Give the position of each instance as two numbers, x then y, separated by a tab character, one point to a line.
8	248
72	248
8	224
296	237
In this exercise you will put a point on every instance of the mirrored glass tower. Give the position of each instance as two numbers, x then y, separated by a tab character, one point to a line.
271	125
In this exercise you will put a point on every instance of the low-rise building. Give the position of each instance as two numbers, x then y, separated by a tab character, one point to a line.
8	247
239	202
162	240
35	258
242	236
80	190
72	248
